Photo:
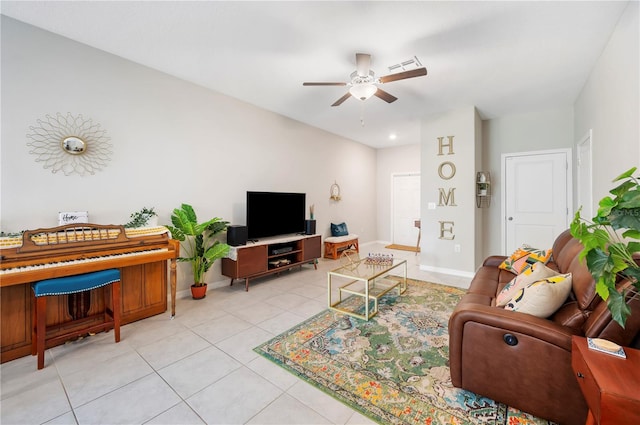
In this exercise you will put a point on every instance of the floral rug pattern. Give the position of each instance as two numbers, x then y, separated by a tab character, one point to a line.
393	368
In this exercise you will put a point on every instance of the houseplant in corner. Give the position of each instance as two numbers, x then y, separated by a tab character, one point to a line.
200	244
610	241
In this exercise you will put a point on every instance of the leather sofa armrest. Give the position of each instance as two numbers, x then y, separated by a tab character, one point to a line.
503	322
509	321
517	359
494	260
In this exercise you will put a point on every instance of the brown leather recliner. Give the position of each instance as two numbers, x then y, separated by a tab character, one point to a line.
525	361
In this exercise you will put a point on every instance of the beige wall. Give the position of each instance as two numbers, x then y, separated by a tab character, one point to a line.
439	254
535	131
173	142
156	122
610	105
390	161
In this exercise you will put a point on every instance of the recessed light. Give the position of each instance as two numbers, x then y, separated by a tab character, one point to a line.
393	136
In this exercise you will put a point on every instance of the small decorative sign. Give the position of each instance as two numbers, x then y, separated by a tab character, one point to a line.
69	217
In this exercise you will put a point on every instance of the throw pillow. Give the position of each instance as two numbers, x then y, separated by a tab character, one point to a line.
536	272
524	257
339	229
542	298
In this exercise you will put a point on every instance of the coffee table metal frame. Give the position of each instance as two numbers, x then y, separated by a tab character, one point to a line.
366	281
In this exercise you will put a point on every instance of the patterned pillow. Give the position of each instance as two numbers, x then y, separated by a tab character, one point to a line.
534	273
339	229
524	257
542	298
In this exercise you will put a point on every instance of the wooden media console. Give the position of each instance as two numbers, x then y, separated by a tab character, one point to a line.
269	256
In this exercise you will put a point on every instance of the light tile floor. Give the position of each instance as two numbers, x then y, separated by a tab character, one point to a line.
198	368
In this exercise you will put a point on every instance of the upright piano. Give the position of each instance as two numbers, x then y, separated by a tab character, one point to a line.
140	254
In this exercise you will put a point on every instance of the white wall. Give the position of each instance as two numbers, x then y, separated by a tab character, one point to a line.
610	105
156	122
543	130
438	254
173	142
396	160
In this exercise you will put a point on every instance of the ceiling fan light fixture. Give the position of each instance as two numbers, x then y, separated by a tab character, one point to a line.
363	91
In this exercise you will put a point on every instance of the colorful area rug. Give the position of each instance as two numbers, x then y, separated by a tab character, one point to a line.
393	368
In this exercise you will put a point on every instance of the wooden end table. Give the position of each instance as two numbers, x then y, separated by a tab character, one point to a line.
610	385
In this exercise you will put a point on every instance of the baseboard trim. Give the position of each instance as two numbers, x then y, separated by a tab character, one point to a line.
442	270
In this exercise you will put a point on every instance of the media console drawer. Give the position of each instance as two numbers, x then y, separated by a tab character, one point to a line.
251	260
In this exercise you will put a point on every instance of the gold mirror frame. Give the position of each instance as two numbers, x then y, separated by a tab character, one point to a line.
71	144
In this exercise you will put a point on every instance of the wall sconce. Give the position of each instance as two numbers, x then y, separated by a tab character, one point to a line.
335	192
483	189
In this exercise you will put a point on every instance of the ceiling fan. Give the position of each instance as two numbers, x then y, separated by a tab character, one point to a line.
364	84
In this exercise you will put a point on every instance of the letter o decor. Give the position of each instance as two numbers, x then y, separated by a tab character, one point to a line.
452	170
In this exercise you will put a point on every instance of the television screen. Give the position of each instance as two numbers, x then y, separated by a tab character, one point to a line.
274	213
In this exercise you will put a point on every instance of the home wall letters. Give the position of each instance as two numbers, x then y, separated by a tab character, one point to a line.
446	171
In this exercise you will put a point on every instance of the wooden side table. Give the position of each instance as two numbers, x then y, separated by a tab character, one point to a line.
610	385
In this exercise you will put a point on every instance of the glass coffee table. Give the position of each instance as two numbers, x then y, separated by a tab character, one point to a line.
366	281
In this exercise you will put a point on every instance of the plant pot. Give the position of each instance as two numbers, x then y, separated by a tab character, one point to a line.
199	292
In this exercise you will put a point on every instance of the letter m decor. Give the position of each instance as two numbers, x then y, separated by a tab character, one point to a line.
447	198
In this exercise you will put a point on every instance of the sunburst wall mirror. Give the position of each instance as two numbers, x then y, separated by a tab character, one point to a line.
71	144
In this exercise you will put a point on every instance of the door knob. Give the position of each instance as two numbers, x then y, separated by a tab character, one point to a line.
510	218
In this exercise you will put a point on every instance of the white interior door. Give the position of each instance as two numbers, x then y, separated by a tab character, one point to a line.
584	177
405	208
536	198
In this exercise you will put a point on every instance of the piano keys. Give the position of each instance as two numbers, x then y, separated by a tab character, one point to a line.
140	254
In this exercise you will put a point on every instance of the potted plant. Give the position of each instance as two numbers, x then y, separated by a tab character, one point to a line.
610	241
200	245
141	218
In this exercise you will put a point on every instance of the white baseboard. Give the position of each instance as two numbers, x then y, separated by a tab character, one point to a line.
446	271
375	242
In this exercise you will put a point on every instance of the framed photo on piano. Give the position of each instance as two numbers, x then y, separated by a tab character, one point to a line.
69	217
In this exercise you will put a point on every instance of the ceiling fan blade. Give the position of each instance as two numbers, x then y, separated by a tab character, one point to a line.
389	98
324	84
403	75
342	99
363	64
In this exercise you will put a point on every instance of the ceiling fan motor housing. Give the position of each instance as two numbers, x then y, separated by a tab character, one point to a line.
363	86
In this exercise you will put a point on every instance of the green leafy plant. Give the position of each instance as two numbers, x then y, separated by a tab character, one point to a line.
141	218
610	241
200	246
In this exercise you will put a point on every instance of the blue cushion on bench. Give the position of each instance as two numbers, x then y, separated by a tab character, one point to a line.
77	283
339	229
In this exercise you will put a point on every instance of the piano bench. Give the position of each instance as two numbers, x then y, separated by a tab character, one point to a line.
72	285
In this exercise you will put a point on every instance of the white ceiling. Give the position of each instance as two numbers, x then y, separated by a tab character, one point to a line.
502	57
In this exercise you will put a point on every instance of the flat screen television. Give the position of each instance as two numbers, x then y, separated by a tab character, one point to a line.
274	213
